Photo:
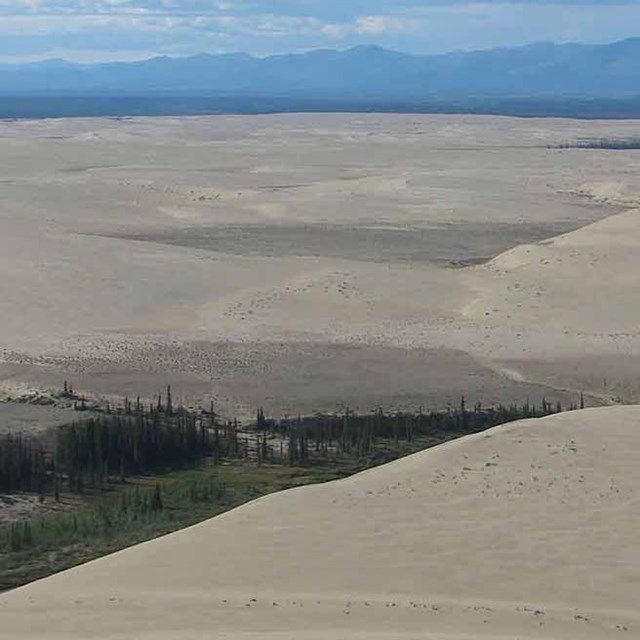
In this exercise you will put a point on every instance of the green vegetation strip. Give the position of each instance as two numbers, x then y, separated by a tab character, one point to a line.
133	474
141	509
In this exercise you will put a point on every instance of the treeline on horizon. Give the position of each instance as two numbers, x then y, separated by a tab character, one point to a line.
614	144
35	106
134	440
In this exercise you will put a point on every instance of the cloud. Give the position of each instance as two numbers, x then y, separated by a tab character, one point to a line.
339	10
40	27
379	25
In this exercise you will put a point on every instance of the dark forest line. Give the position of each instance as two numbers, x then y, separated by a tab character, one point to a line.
116	443
37	106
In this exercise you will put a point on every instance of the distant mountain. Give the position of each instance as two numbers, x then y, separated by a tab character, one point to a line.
362	72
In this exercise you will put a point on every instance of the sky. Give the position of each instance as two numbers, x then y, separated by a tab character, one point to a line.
102	30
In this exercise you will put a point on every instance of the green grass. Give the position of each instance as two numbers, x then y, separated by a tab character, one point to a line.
123	515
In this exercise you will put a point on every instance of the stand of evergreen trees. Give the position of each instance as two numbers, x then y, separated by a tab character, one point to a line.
110	446
24	464
324	435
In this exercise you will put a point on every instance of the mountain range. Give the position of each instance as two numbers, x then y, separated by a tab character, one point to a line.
364	71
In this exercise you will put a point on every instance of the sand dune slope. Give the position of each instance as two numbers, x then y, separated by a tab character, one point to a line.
573	294
529	530
563	312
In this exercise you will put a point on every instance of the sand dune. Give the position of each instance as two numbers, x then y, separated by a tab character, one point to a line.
570	302
573	292
121	240
528	530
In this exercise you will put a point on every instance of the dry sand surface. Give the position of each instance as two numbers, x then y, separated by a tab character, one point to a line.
273	260
529	530
27	417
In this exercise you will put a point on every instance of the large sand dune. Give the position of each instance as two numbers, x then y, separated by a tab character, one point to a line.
529	530
225	255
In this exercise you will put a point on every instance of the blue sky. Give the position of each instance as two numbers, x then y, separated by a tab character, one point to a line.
95	30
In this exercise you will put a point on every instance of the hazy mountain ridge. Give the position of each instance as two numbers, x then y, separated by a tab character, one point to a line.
361	71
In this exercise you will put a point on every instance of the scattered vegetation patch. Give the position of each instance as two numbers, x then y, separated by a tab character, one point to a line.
133	473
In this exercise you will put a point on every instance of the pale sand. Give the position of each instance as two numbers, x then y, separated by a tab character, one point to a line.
27	417
125	244
528	530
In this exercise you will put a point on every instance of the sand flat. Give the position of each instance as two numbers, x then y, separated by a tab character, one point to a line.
527	530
